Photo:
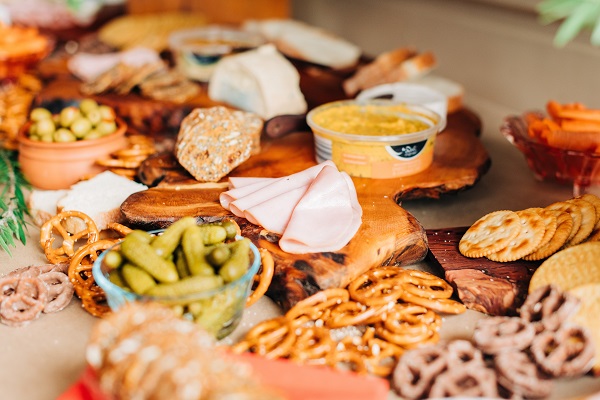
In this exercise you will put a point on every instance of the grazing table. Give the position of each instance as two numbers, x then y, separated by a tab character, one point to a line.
44	358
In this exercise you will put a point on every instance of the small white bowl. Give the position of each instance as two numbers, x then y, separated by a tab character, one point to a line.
410	93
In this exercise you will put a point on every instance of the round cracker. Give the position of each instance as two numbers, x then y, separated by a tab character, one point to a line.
587	315
528	239
564	226
490	233
595	200
588	221
550	223
569	268
594	236
573	210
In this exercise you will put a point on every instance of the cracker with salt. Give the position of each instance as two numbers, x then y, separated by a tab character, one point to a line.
564	226
529	237
595	200
588	221
490	233
550	224
573	210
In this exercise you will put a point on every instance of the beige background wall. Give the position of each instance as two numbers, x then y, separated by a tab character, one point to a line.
500	54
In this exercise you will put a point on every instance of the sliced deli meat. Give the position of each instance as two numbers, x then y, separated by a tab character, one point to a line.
276	188
315	210
239	181
238	192
274	214
324	219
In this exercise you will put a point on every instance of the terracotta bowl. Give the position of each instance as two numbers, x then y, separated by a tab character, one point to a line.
54	166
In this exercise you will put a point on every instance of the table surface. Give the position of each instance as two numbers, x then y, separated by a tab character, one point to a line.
41	360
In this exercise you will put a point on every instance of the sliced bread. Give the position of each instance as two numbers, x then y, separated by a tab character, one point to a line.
100	198
374	72
42	204
395	66
305	42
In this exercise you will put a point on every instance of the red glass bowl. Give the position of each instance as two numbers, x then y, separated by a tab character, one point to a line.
581	169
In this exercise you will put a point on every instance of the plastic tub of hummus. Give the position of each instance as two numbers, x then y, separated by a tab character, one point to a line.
378	139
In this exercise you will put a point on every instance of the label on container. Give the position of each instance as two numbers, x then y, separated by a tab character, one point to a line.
376	160
407	151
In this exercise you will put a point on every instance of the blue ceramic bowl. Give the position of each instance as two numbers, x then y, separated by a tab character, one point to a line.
219	311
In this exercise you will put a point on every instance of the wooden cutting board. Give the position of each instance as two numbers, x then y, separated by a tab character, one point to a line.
491	287
388	234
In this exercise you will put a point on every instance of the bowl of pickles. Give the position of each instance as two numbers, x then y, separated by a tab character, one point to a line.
60	146
203	272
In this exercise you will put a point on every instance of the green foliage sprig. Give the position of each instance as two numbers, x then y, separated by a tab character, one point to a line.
12	201
576	16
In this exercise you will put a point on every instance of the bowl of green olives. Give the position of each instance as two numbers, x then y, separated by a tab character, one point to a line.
59	147
204	272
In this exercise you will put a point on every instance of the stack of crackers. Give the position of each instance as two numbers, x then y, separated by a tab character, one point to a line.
155	81
534	233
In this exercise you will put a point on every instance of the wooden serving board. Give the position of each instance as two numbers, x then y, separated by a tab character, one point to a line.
491	287
388	235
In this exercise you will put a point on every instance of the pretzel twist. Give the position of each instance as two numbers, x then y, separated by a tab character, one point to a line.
54	226
264	278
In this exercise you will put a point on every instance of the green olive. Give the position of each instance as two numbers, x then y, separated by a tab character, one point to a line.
39	113
106	127
93	134
32	130
47	138
94	116
80	127
88	105
45	127
68	115
64	135
107	113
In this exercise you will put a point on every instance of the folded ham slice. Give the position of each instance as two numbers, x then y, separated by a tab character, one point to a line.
315	210
324	219
274	214
276	188
239	181
238	192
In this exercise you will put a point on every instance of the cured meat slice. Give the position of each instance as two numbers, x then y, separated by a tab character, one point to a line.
274	214
227	197
325	218
278	187
240	181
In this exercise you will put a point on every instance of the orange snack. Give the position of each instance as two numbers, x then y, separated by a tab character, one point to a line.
569	126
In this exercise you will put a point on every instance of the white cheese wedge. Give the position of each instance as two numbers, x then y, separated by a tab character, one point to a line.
262	81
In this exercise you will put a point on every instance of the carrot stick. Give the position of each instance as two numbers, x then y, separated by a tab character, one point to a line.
587	115
581	125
